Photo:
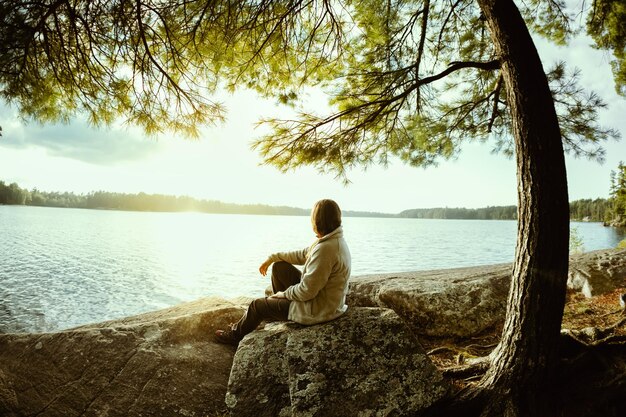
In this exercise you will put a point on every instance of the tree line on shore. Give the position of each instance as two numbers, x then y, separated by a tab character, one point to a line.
13	194
592	210
485	213
610	211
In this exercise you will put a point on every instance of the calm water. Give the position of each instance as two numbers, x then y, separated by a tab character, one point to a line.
60	268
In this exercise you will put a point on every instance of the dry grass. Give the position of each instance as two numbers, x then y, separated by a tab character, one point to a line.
601	311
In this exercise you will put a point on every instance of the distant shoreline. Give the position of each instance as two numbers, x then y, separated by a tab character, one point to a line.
580	210
306	213
273	210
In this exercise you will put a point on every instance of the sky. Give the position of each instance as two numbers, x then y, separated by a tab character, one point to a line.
221	166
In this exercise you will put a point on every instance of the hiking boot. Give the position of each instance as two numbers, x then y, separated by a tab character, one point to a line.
227	337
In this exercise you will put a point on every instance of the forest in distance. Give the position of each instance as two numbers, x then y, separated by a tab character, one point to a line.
596	210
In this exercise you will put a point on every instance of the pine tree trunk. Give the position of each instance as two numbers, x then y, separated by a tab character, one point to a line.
523	364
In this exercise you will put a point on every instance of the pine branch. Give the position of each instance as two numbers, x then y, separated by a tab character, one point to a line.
496	100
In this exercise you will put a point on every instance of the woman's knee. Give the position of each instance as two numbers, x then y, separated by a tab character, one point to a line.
258	305
284	275
269	308
280	267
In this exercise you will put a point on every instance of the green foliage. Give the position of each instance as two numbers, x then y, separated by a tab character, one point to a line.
617	213
13	194
583	210
132	202
605	24
107	59
611	210
549	19
406	78
575	242
595	210
578	111
419	79
486	213
622	244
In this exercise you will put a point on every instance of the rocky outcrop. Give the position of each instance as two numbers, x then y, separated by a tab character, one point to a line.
157	364
166	363
365	363
450	302
464	302
618	221
597	272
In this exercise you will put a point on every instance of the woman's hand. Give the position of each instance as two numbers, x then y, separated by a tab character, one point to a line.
279	294
264	266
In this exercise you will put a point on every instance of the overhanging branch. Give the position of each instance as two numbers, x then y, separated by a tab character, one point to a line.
369	111
496	100
456	65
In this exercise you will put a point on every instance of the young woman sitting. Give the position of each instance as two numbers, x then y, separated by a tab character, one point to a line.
314	295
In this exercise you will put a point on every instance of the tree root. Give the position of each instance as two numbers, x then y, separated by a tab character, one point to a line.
473	349
441	349
469	371
610	313
593	376
594	342
594	336
590	380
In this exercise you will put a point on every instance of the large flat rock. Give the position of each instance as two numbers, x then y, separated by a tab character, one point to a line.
464	302
448	302
598	272
163	363
365	363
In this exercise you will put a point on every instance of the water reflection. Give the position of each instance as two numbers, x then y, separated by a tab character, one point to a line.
66	267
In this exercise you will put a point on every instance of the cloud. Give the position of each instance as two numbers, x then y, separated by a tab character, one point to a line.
77	140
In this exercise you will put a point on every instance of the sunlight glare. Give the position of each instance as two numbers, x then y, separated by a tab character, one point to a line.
185	251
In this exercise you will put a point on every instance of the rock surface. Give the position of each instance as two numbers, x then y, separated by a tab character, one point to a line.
366	363
163	363
450	302
597	272
464	302
166	363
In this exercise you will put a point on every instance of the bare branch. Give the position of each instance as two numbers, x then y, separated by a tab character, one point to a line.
496	100
455	66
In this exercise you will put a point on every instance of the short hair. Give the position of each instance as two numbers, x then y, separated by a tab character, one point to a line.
326	216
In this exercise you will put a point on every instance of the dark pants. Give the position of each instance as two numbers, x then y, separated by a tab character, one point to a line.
284	275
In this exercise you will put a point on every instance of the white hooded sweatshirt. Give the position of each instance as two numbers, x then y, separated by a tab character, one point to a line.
321	294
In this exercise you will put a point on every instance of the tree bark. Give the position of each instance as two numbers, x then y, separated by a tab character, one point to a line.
523	364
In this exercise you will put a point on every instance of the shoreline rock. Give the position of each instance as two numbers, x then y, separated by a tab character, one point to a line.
367	362
457	302
154	364
597	272
166	362
465	302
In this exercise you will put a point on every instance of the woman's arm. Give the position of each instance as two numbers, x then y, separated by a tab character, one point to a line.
297	257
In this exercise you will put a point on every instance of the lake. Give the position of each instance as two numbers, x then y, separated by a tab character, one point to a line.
61	268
